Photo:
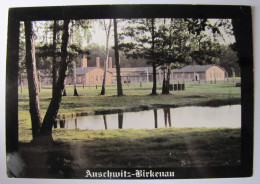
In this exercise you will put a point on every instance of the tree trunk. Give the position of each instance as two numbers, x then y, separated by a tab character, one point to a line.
75	80
154	66
54	105
118	75
103	90
39	81
166	81
54	67
32	80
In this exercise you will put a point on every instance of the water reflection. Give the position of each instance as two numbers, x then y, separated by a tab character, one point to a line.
105	121
225	116
167	117
120	120
155	118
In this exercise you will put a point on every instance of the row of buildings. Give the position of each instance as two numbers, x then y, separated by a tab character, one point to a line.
94	75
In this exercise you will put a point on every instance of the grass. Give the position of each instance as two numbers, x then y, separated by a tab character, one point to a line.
90	101
157	148
76	150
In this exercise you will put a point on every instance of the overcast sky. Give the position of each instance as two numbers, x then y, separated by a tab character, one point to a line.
99	35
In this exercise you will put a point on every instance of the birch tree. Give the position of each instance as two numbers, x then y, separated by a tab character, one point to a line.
107	30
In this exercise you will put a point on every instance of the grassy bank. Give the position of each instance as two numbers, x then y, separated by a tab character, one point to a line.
90	102
76	150
158	148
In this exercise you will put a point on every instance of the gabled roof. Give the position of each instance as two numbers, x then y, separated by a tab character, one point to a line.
136	69
82	71
192	68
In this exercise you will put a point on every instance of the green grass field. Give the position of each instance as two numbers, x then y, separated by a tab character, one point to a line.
164	147
90	101
75	151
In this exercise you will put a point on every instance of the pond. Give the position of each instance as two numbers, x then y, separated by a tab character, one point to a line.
181	117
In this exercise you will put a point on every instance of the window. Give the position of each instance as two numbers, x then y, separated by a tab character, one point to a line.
79	79
101	78
96	78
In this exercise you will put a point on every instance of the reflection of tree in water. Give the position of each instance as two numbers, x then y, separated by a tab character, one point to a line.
120	120
167	116
155	118
105	121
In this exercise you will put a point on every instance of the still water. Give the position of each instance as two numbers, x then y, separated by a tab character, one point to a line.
182	117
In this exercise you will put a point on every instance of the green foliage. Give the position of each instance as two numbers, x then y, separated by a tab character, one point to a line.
229	60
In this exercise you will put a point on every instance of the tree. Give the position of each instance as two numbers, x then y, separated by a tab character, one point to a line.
32	80
77	28
107	29
230	60
118	74
172	48
142	33
54	56
52	111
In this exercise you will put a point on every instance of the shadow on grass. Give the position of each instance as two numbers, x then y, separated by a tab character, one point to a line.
161	148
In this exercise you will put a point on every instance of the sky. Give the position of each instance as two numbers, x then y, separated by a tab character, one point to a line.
99	35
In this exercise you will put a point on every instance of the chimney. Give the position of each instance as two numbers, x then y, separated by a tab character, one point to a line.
97	61
110	62
84	63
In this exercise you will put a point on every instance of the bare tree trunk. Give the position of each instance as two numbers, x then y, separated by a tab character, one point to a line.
164	83
118	74
54	105
168	79
154	66
54	63
32	80
39	81
103	90
75	80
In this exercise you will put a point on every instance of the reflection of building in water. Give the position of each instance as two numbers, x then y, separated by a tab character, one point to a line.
225	116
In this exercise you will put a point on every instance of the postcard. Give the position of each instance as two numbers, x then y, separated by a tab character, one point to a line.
129	92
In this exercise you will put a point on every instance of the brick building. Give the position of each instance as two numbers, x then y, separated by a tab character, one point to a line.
199	72
91	76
